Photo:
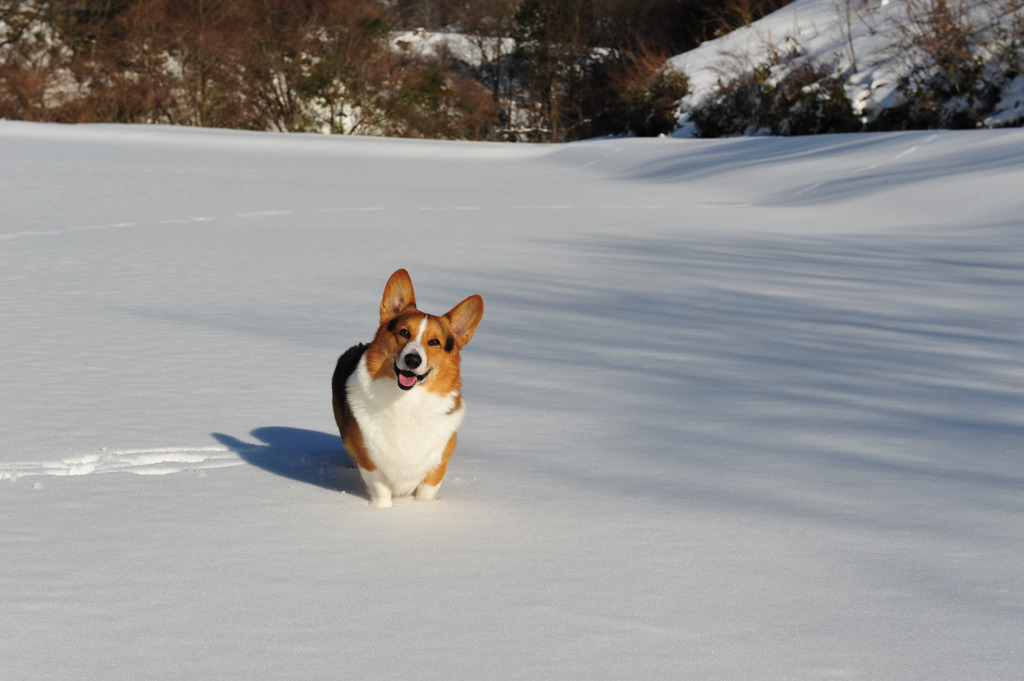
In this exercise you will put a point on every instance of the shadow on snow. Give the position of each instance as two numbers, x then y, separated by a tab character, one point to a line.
307	456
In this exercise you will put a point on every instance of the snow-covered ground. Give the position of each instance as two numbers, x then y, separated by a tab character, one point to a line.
738	409
467	48
821	29
862	38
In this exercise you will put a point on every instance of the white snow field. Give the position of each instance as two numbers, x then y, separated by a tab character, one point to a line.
738	409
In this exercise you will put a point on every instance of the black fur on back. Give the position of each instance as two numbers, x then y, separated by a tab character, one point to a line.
347	363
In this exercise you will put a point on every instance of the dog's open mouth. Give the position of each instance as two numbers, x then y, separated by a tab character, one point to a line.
408	379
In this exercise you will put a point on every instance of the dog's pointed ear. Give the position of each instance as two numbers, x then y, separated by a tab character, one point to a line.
464	318
398	296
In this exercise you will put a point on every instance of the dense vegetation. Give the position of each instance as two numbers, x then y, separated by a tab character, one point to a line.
525	70
544	70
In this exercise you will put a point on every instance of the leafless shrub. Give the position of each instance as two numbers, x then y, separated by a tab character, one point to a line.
328	65
728	15
31	78
953	73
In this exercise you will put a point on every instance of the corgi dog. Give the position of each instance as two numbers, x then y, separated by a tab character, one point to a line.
398	400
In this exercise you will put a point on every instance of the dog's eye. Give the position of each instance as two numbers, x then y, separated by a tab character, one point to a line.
404	333
433	341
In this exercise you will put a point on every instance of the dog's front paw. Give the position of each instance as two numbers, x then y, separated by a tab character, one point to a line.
378	487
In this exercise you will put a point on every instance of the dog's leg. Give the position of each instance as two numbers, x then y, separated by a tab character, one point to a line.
426	492
427	489
376	484
378	487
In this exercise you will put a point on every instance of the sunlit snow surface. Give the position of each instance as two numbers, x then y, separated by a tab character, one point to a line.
738	409
868	43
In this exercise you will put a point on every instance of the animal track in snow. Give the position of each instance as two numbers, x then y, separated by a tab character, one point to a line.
153	461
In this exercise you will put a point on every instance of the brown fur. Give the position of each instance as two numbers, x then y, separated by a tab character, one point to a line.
442	340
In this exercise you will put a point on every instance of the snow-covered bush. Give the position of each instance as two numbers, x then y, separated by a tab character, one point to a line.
902	63
959	55
788	94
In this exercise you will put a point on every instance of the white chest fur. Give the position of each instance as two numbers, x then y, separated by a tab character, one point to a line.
405	432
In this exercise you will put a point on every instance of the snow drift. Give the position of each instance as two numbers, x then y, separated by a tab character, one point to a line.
739	409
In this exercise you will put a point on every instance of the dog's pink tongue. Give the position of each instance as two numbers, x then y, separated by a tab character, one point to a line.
407	380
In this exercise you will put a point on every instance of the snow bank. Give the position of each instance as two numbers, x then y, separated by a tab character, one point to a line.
860	37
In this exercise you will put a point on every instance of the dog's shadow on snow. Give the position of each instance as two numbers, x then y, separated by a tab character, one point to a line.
307	456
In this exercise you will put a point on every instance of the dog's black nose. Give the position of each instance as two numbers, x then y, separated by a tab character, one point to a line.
412	360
